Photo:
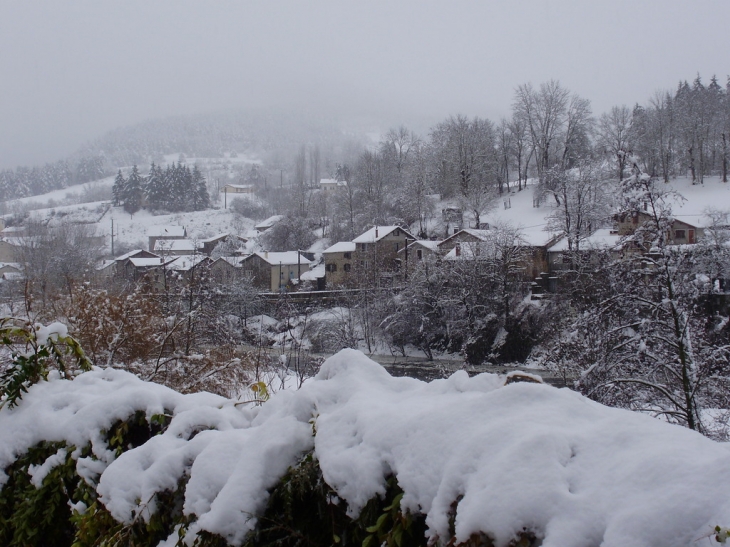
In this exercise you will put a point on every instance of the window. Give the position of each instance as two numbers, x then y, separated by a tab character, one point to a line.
397	247
347	267
419	254
348	256
679	234
331	267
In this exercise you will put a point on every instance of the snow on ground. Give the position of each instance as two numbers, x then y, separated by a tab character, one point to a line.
699	199
521	456
64	196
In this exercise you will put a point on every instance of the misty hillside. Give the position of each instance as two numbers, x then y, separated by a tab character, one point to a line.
212	135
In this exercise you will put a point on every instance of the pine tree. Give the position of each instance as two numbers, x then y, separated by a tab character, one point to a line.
133	192
200	189
118	189
155	189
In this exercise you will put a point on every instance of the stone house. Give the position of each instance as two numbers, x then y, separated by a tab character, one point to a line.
238	189
175	247
680	233
156	233
274	271
338	263
9	251
376	254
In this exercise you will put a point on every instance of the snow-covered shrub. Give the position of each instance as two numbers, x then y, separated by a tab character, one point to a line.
355	457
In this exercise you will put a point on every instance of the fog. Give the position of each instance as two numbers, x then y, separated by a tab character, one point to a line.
70	71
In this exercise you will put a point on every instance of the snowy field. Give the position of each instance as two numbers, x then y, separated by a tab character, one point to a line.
510	458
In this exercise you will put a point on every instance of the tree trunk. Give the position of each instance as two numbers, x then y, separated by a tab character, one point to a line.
724	157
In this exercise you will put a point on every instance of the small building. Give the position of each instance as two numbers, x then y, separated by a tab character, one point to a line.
10	270
467	235
226	269
338	261
418	252
9	250
376	254
602	240
274	271
238	189
175	247
156	233
680	233
332	185
207	245
268	223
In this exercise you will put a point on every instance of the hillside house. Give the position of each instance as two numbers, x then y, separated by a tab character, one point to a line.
238	189
604	239
418	252
467	235
153	269
156	233
376	254
268	223
9	250
11	270
274	271
338	262
332	185
175	247
207	245
226	269
680	233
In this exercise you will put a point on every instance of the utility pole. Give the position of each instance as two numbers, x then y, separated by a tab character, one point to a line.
225	197
112	237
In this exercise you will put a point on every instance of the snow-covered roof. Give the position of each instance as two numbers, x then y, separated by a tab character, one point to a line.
382	231
174	245
240	186
285	258
482	235
184	263
468	250
313	274
169	231
604	238
105	264
130	254
215	238
232	260
15	265
341	247
332	182
148	262
269	222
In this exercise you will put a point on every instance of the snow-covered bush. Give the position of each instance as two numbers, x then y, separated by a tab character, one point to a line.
355	457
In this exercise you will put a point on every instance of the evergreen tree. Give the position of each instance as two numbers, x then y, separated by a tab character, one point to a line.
155	189
133	192
118	189
200	188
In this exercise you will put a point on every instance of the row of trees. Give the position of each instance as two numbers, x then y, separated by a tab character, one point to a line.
177	188
25	181
551	135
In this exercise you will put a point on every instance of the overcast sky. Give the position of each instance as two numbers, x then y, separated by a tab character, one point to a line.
71	70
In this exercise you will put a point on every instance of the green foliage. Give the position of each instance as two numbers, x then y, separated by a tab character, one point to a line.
31	360
304	510
43	517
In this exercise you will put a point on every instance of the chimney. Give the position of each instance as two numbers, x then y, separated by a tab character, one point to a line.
376	232
457	249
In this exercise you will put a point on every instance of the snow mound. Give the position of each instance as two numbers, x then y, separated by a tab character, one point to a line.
518	456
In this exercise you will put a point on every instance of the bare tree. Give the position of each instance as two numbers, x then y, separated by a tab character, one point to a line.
614	131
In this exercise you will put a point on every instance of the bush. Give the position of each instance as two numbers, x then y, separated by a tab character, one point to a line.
249	208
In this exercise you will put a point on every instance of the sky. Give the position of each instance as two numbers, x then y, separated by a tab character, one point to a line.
70	71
